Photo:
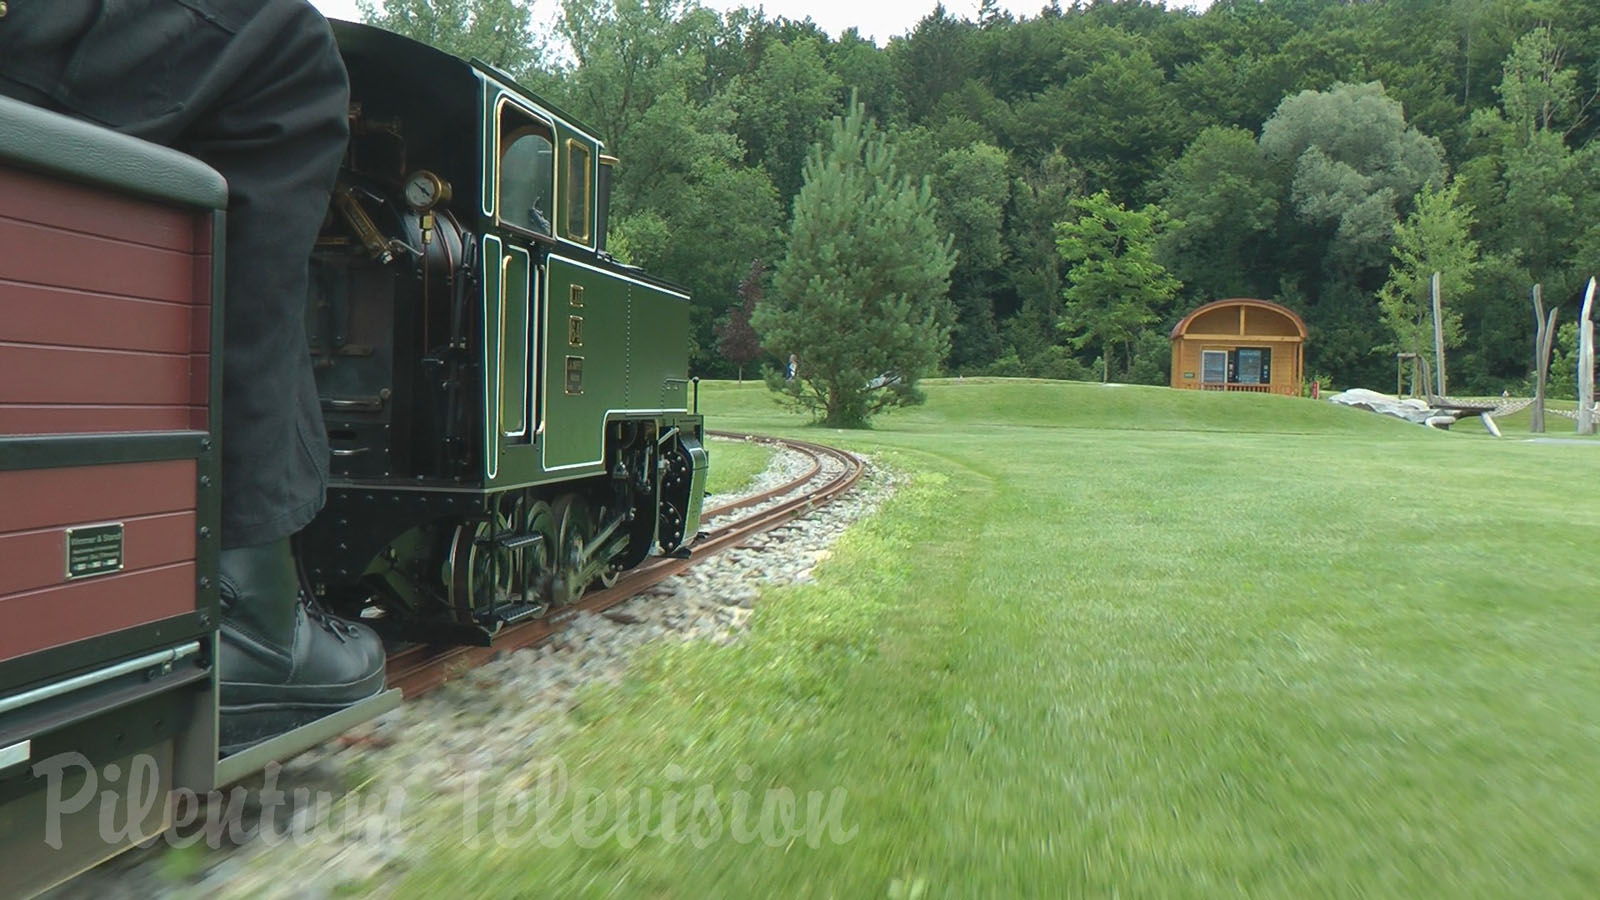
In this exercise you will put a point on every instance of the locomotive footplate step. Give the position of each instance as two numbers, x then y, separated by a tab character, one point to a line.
292	743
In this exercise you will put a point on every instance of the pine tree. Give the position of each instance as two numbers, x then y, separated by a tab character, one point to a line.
736	340
861	297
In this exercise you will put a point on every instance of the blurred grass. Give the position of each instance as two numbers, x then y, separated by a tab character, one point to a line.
1126	641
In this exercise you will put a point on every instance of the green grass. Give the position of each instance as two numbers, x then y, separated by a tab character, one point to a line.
1133	641
734	464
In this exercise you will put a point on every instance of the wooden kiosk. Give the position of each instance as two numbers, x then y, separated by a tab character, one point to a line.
1255	346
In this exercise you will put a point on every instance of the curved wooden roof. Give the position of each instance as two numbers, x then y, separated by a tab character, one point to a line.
1182	327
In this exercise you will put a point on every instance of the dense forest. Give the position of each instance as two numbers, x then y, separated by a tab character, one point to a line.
1320	153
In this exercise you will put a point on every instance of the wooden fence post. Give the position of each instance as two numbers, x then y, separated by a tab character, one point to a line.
1586	363
1438	335
1544	339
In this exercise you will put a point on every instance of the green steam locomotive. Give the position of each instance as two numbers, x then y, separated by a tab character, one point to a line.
506	402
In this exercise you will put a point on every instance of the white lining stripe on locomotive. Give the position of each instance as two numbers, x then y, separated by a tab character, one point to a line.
532	306
491	365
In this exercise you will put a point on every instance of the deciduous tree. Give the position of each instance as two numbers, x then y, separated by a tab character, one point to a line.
1436	237
498	32
736	338
781	107
1115	287
1227	206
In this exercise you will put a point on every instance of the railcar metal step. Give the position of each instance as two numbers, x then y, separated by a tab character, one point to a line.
247	762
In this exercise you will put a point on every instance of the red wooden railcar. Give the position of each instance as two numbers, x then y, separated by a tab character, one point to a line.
109	292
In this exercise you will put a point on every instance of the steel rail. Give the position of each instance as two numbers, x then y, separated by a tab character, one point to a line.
420	668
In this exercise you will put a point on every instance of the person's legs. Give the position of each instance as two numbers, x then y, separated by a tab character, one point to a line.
256	89
277	133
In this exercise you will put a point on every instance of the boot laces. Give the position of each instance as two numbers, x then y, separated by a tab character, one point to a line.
330	623
316	612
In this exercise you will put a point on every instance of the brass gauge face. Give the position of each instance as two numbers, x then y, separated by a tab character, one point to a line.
425	190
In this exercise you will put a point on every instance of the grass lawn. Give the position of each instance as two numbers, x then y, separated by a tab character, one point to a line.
1124	640
737	462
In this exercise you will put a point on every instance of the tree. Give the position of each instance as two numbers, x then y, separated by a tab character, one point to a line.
1436	237
498	32
1538	94
865	70
1352	159
932	61
780	108
861	294
1349	165
736	340
640	77
970	182
1546	218
1226	204
1115	286
1040	197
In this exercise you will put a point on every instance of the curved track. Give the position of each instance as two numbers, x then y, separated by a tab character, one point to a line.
420	668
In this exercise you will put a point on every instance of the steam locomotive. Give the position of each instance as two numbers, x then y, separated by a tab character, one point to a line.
506	402
507	407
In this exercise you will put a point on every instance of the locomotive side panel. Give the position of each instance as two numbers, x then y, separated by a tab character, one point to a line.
586	363
658	321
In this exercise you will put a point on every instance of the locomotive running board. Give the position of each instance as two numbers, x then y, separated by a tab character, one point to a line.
247	762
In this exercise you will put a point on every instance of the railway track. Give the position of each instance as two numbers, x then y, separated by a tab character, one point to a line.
420	668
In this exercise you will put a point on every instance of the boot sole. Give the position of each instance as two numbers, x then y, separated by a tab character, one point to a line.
242	727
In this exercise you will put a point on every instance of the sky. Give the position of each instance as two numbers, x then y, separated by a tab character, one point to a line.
877	19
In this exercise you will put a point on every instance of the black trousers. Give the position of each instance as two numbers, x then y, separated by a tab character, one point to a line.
256	89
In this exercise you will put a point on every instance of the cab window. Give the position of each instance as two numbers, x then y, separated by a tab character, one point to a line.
576	191
526	176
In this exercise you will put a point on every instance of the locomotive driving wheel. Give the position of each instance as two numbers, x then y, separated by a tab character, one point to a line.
573	529
608	578
477	570
536	568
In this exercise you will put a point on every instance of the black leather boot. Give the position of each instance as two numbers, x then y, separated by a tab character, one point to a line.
283	663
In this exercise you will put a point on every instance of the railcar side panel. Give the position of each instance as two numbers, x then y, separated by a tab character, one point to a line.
105	305
109	479
43	603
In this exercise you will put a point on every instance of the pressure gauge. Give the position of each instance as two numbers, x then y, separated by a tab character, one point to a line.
425	190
